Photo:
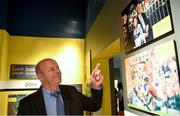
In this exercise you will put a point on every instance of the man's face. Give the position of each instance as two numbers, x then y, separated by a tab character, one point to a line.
139	8
50	74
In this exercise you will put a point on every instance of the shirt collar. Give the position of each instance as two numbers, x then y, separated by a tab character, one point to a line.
47	92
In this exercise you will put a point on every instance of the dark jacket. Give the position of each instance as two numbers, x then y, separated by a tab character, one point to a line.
74	102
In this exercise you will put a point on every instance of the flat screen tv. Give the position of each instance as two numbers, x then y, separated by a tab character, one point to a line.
145	21
152	78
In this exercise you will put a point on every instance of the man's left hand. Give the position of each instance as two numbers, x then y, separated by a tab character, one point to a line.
96	77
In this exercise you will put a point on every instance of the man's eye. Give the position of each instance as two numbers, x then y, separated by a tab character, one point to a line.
51	69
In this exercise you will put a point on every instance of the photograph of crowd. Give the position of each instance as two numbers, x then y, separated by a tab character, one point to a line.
153	80
143	21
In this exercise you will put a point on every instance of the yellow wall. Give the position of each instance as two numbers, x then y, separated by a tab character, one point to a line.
103	57
4	44
105	29
106	104
69	54
3	102
112	50
103	33
87	72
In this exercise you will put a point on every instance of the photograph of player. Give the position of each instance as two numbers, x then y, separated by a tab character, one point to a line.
153	81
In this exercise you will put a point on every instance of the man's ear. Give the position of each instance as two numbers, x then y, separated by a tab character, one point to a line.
39	76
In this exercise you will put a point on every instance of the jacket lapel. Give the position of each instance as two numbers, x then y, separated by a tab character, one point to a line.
66	101
40	102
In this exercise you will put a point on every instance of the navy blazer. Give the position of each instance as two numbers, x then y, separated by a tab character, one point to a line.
74	102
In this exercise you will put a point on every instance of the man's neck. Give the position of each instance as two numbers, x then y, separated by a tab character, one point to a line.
52	89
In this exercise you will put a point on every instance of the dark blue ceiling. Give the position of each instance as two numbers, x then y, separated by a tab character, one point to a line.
49	18
3	14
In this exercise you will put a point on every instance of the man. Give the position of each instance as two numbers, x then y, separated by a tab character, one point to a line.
144	22
42	102
120	96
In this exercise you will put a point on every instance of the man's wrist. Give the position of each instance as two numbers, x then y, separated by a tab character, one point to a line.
97	87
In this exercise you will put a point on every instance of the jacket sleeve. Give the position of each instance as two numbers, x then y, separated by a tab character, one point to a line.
94	102
23	109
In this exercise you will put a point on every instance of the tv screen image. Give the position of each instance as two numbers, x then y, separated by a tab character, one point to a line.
143	21
153	81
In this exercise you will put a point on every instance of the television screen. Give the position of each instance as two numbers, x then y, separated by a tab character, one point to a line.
143	21
153	80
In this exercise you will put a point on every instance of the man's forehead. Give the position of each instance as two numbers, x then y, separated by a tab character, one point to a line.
48	62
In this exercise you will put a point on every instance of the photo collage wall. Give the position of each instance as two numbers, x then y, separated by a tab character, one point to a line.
152	76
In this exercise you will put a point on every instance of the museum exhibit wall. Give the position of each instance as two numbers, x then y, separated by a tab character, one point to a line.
69	53
174	36
106	29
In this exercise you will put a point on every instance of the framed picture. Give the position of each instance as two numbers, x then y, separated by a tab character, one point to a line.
153	80
13	101
22	71
145	21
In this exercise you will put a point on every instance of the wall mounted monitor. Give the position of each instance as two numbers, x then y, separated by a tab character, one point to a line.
153	80
145	21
